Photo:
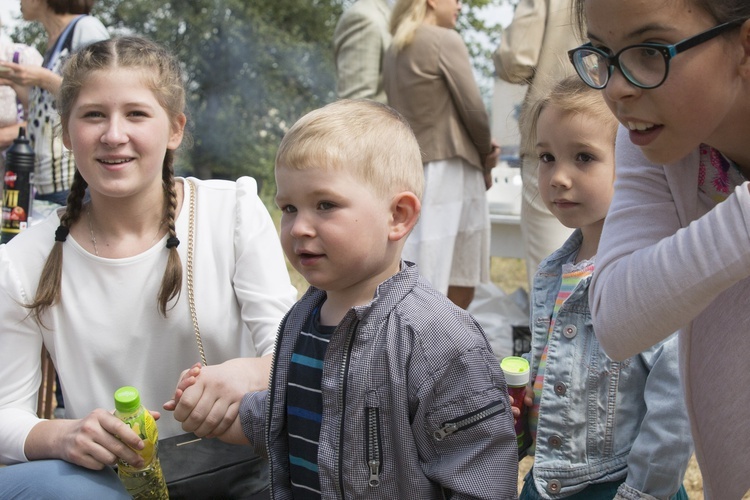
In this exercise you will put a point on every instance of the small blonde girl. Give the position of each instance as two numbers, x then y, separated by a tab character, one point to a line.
596	422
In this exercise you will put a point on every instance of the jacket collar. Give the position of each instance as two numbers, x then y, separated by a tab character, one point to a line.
387	295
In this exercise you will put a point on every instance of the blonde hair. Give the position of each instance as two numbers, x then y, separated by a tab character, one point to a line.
406	17
161	72
371	140
570	95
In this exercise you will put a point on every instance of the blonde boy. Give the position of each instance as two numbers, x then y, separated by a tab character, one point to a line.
381	387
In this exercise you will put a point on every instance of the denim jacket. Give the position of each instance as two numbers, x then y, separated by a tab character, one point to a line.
414	402
601	420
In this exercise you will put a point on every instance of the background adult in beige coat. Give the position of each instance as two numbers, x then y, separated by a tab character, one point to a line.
359	43
533	50
428	78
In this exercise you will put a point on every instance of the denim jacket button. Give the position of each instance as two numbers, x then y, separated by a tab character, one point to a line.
570	331
555	441
560	389
554	486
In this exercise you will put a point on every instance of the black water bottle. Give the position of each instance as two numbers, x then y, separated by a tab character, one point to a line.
19	170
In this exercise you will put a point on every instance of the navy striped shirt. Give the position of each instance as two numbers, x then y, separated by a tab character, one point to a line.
304	407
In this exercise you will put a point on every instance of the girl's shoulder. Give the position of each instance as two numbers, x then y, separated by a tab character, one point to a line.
88	29
237	200
243	186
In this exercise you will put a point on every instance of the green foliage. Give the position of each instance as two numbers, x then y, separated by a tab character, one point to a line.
253	68
482	35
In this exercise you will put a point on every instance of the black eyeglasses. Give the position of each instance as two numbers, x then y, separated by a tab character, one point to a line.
645	65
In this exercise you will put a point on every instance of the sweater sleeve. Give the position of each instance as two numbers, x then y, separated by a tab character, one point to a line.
653	275
20	365
455	65
261	280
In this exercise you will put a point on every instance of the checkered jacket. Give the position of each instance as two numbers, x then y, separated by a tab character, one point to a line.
414	402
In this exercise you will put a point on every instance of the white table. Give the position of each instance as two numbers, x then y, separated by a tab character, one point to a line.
504	201
506	235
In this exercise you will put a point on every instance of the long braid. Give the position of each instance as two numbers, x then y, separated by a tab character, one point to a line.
171	283
48	288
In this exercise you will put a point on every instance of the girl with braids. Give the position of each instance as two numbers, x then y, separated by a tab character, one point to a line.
110	303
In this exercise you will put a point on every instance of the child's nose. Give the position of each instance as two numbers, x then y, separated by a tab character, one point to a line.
301	227
560	177
618	87
114	134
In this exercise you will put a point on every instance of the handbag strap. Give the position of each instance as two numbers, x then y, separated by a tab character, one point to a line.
20	111
191	247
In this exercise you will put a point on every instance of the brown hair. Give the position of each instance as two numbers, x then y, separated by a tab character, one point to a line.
71	6
161	72
721	10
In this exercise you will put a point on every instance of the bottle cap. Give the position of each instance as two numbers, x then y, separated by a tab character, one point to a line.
516	370
127	399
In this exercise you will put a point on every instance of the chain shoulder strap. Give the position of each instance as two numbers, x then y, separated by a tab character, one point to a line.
191	247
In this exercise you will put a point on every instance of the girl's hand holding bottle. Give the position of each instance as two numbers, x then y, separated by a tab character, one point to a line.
95	441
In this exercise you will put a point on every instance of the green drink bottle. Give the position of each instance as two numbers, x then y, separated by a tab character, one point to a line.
147	482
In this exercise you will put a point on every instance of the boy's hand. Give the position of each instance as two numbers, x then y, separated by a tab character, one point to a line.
187	378
210	404
515	411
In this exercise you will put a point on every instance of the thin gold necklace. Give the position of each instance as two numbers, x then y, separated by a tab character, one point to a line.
91	230
93	236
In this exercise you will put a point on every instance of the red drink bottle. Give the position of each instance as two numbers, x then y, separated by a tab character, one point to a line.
516	371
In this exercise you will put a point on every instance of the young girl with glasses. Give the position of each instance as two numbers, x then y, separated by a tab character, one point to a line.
674	250
596	423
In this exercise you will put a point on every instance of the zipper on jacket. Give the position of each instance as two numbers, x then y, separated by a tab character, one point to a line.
374	455
343	370
269	403
453	426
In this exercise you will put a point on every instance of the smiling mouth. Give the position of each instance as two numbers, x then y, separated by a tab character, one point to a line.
115	162
640	126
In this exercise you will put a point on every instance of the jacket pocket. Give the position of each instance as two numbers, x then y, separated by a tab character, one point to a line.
469	420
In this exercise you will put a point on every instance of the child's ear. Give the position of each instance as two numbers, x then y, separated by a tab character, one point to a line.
405	208
178	130
745	43
66	138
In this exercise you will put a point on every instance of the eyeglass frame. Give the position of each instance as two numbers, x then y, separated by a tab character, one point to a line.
667	51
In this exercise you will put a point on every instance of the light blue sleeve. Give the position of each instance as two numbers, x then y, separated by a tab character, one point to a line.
662	449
